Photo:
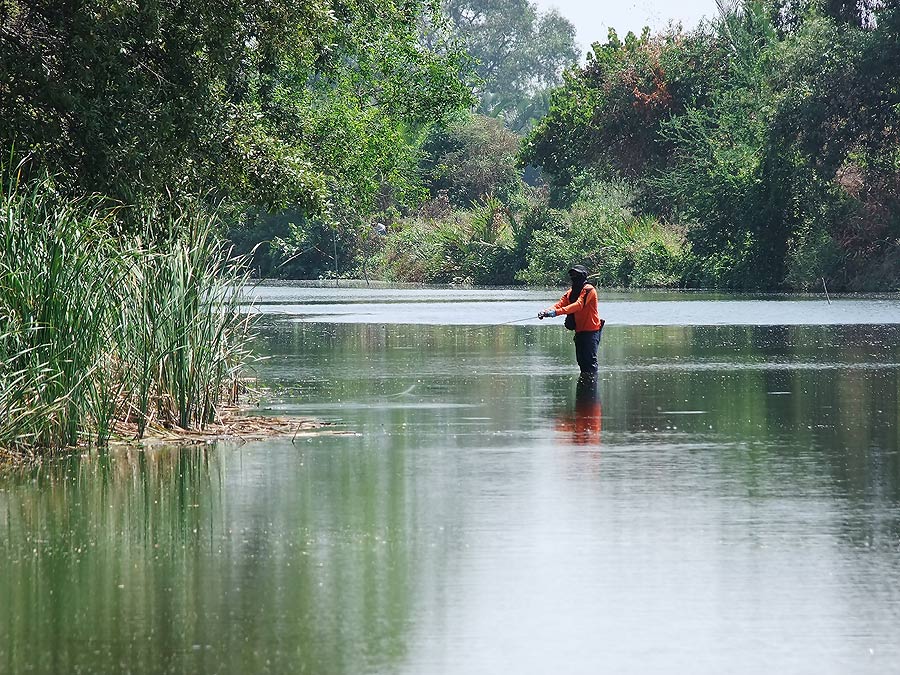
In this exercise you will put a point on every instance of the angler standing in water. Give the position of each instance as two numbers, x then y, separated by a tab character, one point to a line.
579	304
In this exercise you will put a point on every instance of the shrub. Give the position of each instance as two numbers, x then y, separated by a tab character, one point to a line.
471	160
600	232
473	247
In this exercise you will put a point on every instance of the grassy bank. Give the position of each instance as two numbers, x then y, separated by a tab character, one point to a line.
525	240
98	327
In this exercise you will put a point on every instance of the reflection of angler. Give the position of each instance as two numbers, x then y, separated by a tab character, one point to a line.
586	422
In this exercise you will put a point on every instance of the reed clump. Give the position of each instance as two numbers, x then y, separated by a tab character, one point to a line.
97	327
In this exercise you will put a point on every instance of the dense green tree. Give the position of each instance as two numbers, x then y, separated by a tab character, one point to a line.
121	97
605	120
519	54
723	175
265	102
790	13
773	135
470	159
839	112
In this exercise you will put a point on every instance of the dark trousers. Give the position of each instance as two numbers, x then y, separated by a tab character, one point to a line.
586	343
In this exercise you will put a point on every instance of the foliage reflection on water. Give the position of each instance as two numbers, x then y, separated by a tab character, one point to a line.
192	560
771	449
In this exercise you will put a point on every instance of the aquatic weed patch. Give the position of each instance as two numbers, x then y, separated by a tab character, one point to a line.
98	327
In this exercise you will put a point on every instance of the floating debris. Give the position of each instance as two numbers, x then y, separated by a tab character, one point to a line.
232	423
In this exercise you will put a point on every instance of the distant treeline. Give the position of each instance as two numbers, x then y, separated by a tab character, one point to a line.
772	135
759	151
461	142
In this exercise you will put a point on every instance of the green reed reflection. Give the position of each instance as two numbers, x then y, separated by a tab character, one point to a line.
327	555
191	559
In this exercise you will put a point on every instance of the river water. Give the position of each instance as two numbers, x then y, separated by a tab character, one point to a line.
725	499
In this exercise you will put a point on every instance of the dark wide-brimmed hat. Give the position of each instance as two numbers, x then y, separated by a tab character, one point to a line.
579	270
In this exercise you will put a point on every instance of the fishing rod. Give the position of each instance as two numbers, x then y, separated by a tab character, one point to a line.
503	323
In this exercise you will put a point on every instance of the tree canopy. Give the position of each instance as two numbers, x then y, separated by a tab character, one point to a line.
772	133
269	102
759	150
519	54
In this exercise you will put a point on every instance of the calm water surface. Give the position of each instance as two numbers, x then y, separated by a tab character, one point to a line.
726	499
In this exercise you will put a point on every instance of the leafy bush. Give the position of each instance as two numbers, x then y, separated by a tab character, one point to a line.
471	159
472	247
600	232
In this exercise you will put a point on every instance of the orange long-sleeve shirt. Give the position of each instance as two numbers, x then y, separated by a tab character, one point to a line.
587	317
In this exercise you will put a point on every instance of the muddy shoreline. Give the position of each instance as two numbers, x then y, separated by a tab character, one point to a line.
233	424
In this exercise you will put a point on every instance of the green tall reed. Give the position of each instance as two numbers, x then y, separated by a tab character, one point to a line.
54	281
183	329
98	328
